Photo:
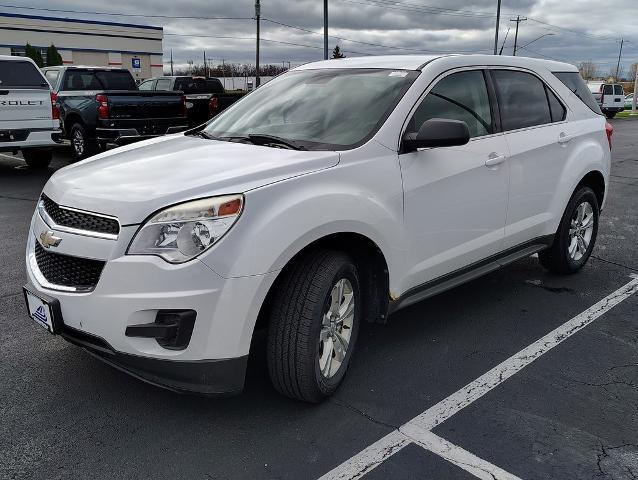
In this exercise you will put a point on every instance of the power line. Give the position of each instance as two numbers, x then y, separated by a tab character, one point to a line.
411	7
393	47
181	17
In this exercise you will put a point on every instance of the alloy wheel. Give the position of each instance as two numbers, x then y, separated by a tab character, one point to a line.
580	231
336	328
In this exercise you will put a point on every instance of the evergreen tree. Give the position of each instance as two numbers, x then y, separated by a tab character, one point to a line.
336	53
53	56
34	54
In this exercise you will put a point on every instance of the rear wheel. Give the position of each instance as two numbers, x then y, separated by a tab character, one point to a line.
576	235
37	157
610	114
81	145
314	325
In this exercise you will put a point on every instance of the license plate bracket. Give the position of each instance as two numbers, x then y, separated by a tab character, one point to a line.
44	310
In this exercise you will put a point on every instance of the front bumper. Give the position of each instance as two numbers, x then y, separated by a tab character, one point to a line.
133	289
122	132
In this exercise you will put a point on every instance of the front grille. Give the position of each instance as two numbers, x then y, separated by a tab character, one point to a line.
64	270
79	220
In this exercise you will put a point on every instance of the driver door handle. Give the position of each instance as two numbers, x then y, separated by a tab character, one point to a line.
495	160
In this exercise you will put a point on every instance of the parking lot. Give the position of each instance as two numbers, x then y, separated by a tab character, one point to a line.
564	407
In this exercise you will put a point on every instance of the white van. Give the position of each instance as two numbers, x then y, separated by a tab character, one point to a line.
337	193
29	118
610	97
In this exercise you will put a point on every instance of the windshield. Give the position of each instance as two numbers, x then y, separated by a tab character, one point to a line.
318	109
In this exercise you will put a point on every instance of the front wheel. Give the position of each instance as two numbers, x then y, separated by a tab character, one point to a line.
314	324
576	235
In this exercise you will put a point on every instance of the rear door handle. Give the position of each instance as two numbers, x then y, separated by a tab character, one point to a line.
495	160
564	138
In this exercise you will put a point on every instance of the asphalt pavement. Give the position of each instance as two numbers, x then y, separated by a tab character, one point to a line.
572	413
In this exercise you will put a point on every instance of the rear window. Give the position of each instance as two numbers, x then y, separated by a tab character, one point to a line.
576	84
199	85
98	80
618	90
17	74
608	89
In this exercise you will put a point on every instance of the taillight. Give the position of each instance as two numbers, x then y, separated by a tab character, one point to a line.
183	111
213	105
55	111
103	106
609	130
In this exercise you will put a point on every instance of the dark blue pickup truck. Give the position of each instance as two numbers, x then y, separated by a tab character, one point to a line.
100	105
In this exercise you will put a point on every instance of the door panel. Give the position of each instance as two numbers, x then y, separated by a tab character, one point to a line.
454	203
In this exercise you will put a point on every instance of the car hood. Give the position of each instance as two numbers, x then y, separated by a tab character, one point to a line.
134	181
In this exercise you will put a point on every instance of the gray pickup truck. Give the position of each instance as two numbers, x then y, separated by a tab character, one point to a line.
100	105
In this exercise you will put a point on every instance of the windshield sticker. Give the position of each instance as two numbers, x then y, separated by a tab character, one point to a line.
398	74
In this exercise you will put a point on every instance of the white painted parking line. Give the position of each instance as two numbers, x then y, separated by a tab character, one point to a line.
10	157
373	455
456	455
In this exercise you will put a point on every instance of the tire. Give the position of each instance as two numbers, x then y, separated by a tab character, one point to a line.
81	145
558	258
37	158
302	359
610	114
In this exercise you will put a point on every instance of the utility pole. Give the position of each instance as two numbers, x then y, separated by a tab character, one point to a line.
500	52
205	66
633	100
622	40
518	20
171	62
498	20
257	17
325	29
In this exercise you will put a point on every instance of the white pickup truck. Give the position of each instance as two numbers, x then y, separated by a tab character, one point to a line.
29	118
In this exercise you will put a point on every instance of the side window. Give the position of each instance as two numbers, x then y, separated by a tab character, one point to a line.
147	85
556	108
618	90
608	89
163	84
522	99
52	76
459	96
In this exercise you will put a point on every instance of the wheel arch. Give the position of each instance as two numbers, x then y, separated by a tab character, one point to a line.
596	181
371	265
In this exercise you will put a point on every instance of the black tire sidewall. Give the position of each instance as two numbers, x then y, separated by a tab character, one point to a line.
582	195
37	158
327	386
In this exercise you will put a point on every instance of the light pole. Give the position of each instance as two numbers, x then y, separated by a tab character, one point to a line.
498	20
325	29
257	17
538	38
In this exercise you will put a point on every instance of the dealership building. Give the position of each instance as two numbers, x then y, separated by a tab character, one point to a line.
86	42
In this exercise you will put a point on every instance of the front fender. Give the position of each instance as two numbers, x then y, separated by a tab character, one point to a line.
279	220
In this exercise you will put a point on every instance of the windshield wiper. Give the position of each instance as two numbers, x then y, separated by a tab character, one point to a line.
264	139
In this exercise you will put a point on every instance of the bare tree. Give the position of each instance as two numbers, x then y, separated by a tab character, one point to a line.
612	73
632	71
588	70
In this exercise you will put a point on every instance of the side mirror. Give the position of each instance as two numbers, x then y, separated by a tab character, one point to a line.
437	132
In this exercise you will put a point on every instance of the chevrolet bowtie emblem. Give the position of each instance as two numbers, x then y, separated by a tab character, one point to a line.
47	239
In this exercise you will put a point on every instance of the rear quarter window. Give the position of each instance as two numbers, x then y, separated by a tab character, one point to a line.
21	75
576	84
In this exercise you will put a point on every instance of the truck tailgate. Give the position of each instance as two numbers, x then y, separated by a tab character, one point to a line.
25	108
141	104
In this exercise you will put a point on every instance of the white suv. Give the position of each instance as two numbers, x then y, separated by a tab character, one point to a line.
29	117
335	194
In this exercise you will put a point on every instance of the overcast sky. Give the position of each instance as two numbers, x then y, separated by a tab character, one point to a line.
589	29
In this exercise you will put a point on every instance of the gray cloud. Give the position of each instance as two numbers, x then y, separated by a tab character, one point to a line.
408	27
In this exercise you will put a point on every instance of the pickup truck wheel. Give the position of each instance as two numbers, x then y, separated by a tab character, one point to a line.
37	158
81	146
314	325
576	235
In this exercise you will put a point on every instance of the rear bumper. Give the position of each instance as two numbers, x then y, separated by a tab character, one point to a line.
11	140
613	109
121	132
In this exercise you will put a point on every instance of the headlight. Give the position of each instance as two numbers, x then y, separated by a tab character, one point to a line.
181	232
